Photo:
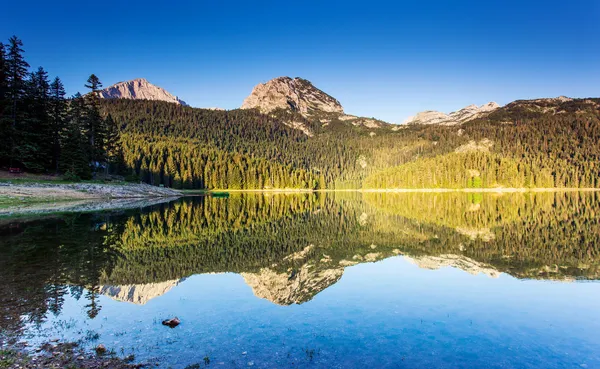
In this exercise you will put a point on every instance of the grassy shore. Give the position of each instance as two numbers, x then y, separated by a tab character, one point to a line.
12	201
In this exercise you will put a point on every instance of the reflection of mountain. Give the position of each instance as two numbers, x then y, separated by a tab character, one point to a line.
294	287
138	293
296	284
455	261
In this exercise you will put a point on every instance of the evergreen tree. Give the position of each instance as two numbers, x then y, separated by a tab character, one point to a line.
114	150
94	124
73	159
35	148
5	125
3	76
16	71
58	118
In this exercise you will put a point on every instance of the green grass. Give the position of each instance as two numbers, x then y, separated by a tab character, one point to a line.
10	201
7	359
195	192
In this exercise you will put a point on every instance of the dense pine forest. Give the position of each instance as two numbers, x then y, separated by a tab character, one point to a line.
524	144
507	149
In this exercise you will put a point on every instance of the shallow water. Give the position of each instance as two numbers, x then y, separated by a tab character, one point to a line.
316	280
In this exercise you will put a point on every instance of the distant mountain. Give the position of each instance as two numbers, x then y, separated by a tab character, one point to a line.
297	95
302	106
463	115
551	106
139	89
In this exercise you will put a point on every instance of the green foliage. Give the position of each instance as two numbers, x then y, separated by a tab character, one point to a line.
71	177
132	178
462	170
537	150
41	131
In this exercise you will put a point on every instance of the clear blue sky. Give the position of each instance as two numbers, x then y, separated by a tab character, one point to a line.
384	59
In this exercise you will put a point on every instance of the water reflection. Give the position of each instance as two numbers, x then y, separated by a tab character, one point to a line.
286	248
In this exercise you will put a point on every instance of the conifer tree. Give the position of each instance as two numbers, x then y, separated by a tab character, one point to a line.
16	71
94	124
35	149
58	118
4	119
73	159
3	80
114	151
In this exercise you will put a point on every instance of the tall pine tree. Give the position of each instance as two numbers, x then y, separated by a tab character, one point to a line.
16	71
5	124
35	148
74	145
114	150
58	118
94	124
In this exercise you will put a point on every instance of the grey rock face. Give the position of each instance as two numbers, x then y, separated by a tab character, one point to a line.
295	94
473	112
463	115
139	89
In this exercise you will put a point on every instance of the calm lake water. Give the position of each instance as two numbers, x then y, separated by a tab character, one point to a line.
338	280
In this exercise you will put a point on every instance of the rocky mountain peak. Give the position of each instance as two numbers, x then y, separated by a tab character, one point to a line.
139	89
463	115
295	94
473	112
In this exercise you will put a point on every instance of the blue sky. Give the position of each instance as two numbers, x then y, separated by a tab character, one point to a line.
387	59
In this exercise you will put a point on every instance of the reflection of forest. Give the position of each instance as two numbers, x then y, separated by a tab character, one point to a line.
290	247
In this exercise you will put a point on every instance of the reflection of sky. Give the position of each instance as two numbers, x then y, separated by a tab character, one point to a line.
385	314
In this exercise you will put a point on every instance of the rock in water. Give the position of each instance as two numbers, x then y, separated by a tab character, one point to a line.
139	89
100	349
172	323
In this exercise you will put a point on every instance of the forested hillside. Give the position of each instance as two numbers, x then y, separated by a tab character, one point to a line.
338	155
534	143
538	143
511	148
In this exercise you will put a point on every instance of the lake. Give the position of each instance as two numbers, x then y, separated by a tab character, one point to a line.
323	280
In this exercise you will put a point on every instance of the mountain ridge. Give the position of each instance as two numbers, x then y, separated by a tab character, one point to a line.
295	94
460	116
139	89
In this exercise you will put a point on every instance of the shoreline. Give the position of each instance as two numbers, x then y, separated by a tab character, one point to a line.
492	190
43	208
35	198
399	190
58	354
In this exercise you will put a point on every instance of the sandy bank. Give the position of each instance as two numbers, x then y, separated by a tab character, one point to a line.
75	191
41	198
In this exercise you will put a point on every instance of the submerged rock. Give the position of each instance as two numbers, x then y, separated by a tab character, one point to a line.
100	349
172	323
